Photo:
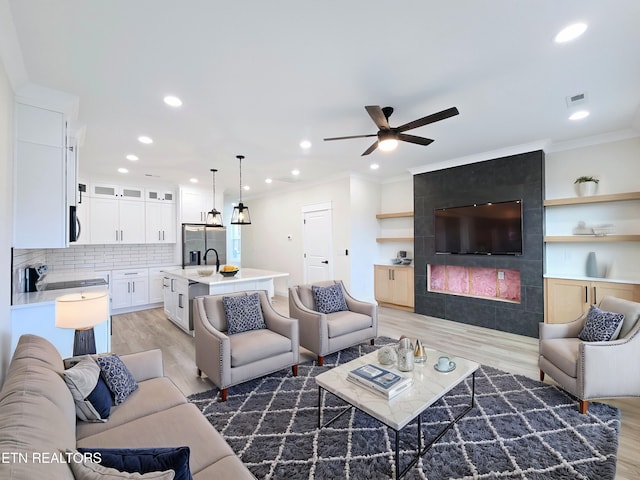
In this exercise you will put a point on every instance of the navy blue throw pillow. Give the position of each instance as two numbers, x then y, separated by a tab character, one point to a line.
145	460
100	398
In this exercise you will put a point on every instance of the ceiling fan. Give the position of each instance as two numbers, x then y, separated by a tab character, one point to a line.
388	136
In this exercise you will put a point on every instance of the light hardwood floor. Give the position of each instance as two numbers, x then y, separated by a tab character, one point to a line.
147	329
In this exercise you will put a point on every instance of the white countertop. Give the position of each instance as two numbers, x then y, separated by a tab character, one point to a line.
243	275
49	296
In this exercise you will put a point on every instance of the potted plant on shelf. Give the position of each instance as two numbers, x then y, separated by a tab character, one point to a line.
587	185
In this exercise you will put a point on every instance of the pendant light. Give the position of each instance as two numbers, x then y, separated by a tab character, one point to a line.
214	217
240	214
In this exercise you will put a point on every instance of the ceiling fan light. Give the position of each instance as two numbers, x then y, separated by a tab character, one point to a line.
388	144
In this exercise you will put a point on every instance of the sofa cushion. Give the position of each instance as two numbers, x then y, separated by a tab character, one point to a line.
38	350
600	325
329	299
248	347
117	377
145	460
243	313
152	396
180	425
82	380
563	353
87	470
630	310
341	323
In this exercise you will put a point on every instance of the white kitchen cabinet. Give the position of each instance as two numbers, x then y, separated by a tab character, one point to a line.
160	195
160	222
129	288
195	204
117	221
157	283
104	190
41	206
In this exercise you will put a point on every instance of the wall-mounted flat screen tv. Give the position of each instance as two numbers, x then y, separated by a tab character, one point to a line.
482	229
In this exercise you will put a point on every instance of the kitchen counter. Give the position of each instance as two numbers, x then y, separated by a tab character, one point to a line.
243	275
49	296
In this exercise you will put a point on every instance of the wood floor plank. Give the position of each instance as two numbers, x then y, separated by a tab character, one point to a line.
137	331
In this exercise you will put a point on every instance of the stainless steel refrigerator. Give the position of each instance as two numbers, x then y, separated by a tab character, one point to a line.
197	239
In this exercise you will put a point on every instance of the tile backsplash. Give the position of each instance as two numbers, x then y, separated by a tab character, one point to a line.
92	257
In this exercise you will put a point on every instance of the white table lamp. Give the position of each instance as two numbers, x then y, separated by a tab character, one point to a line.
82	312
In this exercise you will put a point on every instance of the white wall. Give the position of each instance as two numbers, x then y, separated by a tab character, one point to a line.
6	194
617	166
265	242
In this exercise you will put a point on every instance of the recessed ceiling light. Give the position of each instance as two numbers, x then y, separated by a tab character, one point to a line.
267	180
131	157
579	115
305	144
123	170
172	101
571	32
193	180
374	166
246	187
295	172
144	139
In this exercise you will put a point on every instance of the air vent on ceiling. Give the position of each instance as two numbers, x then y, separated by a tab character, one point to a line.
576	99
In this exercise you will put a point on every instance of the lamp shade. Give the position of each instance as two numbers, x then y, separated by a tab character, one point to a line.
82	310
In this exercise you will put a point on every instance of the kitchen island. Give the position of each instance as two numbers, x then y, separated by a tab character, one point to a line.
180	286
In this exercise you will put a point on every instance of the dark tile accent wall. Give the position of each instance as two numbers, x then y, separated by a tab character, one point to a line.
508	178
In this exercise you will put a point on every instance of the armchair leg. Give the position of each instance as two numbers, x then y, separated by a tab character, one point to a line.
320	361
294	370
373	341
584	405
223	394
541	376
199	373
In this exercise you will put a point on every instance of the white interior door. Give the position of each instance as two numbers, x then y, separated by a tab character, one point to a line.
317	233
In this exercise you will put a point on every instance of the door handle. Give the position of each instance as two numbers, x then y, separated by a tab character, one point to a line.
121	236
116	235
159	235
128	287
326	262
134	287
586	294
595	296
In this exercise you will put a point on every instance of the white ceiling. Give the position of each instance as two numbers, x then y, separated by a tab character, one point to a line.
257	77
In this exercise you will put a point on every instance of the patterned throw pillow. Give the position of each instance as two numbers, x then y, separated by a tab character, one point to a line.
329	299
117	377
601	326
243	313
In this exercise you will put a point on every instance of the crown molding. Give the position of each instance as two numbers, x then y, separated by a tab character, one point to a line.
608	137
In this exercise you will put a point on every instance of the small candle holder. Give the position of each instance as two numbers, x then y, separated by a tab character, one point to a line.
419	353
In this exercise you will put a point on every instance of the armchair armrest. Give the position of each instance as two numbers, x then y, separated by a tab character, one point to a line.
313	327
561	330
213	348
144	365
358	306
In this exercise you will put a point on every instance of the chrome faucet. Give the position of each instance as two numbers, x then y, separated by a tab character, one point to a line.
217	258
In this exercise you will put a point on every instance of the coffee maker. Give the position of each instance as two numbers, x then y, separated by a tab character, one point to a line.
32	275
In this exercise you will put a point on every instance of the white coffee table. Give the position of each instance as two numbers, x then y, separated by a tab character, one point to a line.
428	387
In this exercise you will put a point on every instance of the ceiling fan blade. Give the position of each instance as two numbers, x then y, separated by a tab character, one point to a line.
370	149
352	136
413	139
434	117
378	117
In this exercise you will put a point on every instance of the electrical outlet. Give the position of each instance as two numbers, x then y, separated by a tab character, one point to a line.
500	275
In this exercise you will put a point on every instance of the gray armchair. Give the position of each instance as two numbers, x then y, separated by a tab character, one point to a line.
328	333
590	370
232	359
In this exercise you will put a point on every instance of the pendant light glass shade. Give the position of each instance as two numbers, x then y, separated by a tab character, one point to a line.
240	214
214	217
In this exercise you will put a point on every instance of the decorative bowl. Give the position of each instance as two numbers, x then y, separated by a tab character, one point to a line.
205	272
396	261
407	261
230	273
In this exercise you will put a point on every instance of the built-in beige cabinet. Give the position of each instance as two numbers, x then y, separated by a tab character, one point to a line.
394	286
568	299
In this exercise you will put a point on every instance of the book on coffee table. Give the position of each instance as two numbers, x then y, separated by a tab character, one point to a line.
379	380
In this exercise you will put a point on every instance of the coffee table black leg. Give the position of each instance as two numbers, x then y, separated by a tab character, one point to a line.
320	425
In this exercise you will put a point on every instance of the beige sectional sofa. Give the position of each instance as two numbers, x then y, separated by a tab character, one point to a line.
38	418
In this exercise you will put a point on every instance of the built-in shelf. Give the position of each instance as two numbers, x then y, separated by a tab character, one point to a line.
394	215
591	238
615	197
394	239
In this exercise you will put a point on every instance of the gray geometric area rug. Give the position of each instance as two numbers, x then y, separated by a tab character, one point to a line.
519	428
